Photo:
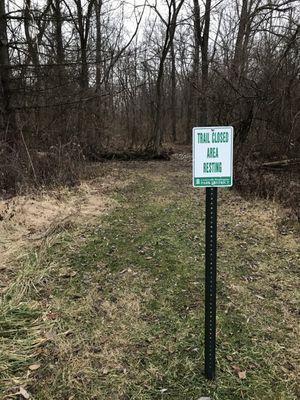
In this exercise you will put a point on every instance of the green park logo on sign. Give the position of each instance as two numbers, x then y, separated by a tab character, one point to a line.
213	156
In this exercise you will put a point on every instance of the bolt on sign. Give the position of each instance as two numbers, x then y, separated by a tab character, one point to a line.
212	156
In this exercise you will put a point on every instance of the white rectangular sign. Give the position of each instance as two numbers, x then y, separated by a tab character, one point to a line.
213	156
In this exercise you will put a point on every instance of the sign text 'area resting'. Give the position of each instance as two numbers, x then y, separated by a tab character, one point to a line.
213	156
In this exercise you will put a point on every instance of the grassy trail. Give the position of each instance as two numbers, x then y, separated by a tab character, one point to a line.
114	309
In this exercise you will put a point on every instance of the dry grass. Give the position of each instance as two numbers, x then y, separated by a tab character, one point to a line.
111	305
33	217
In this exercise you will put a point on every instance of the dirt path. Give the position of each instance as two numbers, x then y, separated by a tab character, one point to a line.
25	220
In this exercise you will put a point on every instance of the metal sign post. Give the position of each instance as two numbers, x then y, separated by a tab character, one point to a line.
210	281
212	168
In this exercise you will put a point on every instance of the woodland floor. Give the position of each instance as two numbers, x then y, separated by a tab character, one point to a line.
103	296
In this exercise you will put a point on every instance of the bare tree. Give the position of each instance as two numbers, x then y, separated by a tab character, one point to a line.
98	7
205	64
194	83
173	94
7	114
74	74
170	27
58	22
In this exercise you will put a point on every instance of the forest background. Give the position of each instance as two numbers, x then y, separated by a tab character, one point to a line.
84	81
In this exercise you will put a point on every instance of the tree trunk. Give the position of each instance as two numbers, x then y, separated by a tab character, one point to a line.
170	33
98	6
60	55
157	124
205	64
173	95
238	59
194	98
32	44
7	114
83	31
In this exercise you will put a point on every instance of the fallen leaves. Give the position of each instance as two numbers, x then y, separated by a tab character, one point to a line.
50	316
129	271
67	273
105	371
241	374
23	392
34	367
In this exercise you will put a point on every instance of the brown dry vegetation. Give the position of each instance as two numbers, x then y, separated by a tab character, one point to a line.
36	216
103	295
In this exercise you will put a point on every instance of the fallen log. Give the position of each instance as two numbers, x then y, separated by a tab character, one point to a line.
129	155
281	163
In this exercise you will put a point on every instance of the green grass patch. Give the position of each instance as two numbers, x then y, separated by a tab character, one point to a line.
121	304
